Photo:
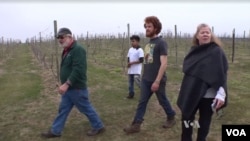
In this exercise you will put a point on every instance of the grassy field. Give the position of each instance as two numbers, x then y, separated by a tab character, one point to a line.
29	102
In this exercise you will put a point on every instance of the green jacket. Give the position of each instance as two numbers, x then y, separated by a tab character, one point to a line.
74	67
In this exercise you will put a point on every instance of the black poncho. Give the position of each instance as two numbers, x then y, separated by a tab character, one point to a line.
204	67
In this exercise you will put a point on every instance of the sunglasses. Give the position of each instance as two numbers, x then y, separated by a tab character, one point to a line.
60	37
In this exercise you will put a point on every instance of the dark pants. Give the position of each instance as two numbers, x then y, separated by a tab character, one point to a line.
131	79
146	93
205	117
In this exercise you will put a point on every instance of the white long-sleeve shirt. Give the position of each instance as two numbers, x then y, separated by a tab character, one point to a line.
220	94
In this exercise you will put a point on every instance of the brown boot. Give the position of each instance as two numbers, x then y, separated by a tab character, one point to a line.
49	134
94	132
169	123
133	128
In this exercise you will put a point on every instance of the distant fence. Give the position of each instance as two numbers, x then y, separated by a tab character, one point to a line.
110	50
6	47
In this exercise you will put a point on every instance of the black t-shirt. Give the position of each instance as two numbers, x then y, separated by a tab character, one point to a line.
153	50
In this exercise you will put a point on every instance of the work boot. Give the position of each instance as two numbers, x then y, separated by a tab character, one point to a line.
170	122
94	132
130	97
49	134
133	128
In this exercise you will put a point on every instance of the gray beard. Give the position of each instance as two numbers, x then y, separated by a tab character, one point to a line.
64	45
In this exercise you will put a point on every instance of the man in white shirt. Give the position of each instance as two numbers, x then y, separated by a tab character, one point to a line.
135	60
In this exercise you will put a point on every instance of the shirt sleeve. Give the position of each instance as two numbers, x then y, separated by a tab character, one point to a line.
163	48
141	53
128	53
221	95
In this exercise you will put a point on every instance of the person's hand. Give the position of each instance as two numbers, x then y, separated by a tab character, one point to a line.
155	86
219	103
63	88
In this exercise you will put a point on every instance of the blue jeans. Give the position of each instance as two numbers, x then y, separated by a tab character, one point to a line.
131	79
79	98
146	93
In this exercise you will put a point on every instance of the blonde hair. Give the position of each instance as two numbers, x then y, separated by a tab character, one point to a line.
213	37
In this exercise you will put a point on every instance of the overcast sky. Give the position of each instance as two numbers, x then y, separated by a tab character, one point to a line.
21	20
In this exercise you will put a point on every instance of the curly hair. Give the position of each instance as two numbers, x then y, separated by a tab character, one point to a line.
155	21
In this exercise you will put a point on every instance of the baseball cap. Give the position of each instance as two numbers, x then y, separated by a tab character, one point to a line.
63	31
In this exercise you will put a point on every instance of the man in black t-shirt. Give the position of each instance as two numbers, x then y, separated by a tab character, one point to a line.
154	76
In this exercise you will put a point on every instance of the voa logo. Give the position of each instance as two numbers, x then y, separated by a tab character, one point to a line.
188	123
236	132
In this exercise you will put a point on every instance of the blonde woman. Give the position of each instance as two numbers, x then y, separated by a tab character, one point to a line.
204	85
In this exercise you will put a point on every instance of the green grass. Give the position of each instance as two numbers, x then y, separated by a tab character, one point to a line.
20	84
21	79
29	100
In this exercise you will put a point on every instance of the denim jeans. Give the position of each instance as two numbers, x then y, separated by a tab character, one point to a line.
131	79
146	93
79	98
205	117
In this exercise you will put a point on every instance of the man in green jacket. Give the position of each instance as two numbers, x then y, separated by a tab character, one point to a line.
73	88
